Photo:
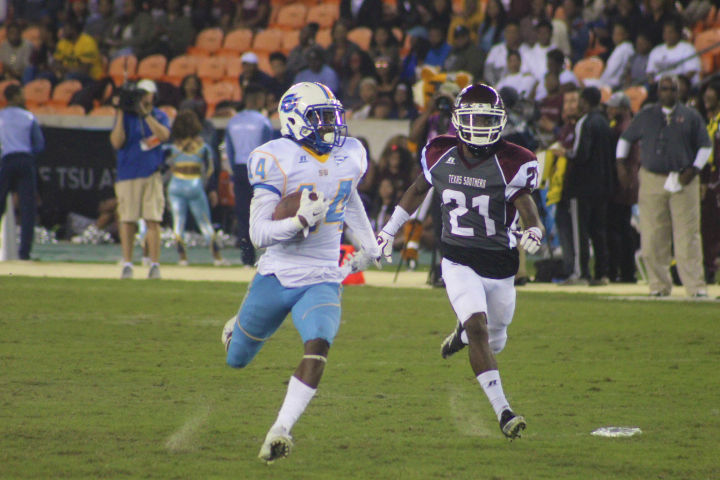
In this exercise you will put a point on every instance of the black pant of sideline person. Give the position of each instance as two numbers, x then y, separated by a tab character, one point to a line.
18	173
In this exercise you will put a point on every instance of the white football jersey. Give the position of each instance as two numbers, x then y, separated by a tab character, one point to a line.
283	166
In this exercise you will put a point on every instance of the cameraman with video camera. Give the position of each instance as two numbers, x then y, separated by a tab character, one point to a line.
136	136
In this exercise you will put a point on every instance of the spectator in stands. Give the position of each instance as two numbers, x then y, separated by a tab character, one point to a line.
100	25
246	131
318	71
176	29
339	51
618	61
368	95
280	72
297	58
77	55
621	235
549	110
465	55
626	12
556	65
21	140
15	53
41	60
496	62
133	33
578	30
412	16
383	204
252	75
361	13
387	74
253	14
522	82
492	28
440	13
529	23
396	164
674	147
636	72
359	67
471	18
405	108
384	44
675	56
78	12
136	137
191	95
537	57
654	18
415	59
710	184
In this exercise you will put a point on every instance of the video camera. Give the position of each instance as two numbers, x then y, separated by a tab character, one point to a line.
129	96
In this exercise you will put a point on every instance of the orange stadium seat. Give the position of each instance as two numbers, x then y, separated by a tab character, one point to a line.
32	35
605	93
637	96
237	42
37	92
3	34
218	92
207	42
43	110
211	69
264	62
70	110
591	67
323	37
122	67
324	14
233	69
710	60
291	39
170	111
63	92
179	68
102	111
268	40
361	36
291	16
152	67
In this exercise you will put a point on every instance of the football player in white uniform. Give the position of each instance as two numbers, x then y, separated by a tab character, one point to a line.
299	272
484	183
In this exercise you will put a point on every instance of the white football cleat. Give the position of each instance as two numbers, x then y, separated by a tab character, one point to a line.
278	444
227	332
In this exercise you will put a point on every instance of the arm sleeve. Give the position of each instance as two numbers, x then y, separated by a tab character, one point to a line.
36	138
524	181
264	231
623	149
357	221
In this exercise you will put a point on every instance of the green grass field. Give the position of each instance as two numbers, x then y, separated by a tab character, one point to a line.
110	379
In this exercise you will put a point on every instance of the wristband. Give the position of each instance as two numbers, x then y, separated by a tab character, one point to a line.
397	220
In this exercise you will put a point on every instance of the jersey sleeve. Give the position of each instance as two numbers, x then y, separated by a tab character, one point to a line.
433	152
520	169
266	172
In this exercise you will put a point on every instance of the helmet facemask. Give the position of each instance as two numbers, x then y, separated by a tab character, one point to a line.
324	127
479	125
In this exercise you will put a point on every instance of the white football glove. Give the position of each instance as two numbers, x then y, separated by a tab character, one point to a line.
358	262
531	240
385	242
312	211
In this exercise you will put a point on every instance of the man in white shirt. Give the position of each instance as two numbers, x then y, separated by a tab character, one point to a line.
675	56
523	83
537	60
556	64
496	62
618	60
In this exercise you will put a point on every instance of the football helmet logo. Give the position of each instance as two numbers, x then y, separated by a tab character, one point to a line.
479	115
310	114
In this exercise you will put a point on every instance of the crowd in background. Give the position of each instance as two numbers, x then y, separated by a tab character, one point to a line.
527	49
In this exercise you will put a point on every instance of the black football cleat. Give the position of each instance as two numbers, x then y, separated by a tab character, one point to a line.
511	424
452	343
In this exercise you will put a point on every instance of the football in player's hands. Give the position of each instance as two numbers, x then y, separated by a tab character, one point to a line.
289	204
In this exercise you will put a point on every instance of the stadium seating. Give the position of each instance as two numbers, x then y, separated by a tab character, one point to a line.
268	40
637	96
323	37
32	35
586	68
291	39
179	68
236	42
152	67
123	67
264	62
69	110
324	14
63	92
218	92
361	36
207	42
170	111
233	69
211	69
37	92
102	111
291	16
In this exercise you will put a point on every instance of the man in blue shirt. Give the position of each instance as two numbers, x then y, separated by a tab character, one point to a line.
138	132
246	131
318	71
20	140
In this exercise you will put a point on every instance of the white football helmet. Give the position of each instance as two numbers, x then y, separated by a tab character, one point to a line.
310	113
479	115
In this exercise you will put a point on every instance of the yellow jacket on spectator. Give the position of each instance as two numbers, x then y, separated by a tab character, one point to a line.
553	177
84	50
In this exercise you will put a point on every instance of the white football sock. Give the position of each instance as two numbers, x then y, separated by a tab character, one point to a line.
296	401
491	385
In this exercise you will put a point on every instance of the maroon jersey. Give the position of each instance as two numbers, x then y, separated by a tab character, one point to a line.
477	198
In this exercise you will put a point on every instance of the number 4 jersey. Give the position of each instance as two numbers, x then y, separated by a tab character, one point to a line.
477	197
